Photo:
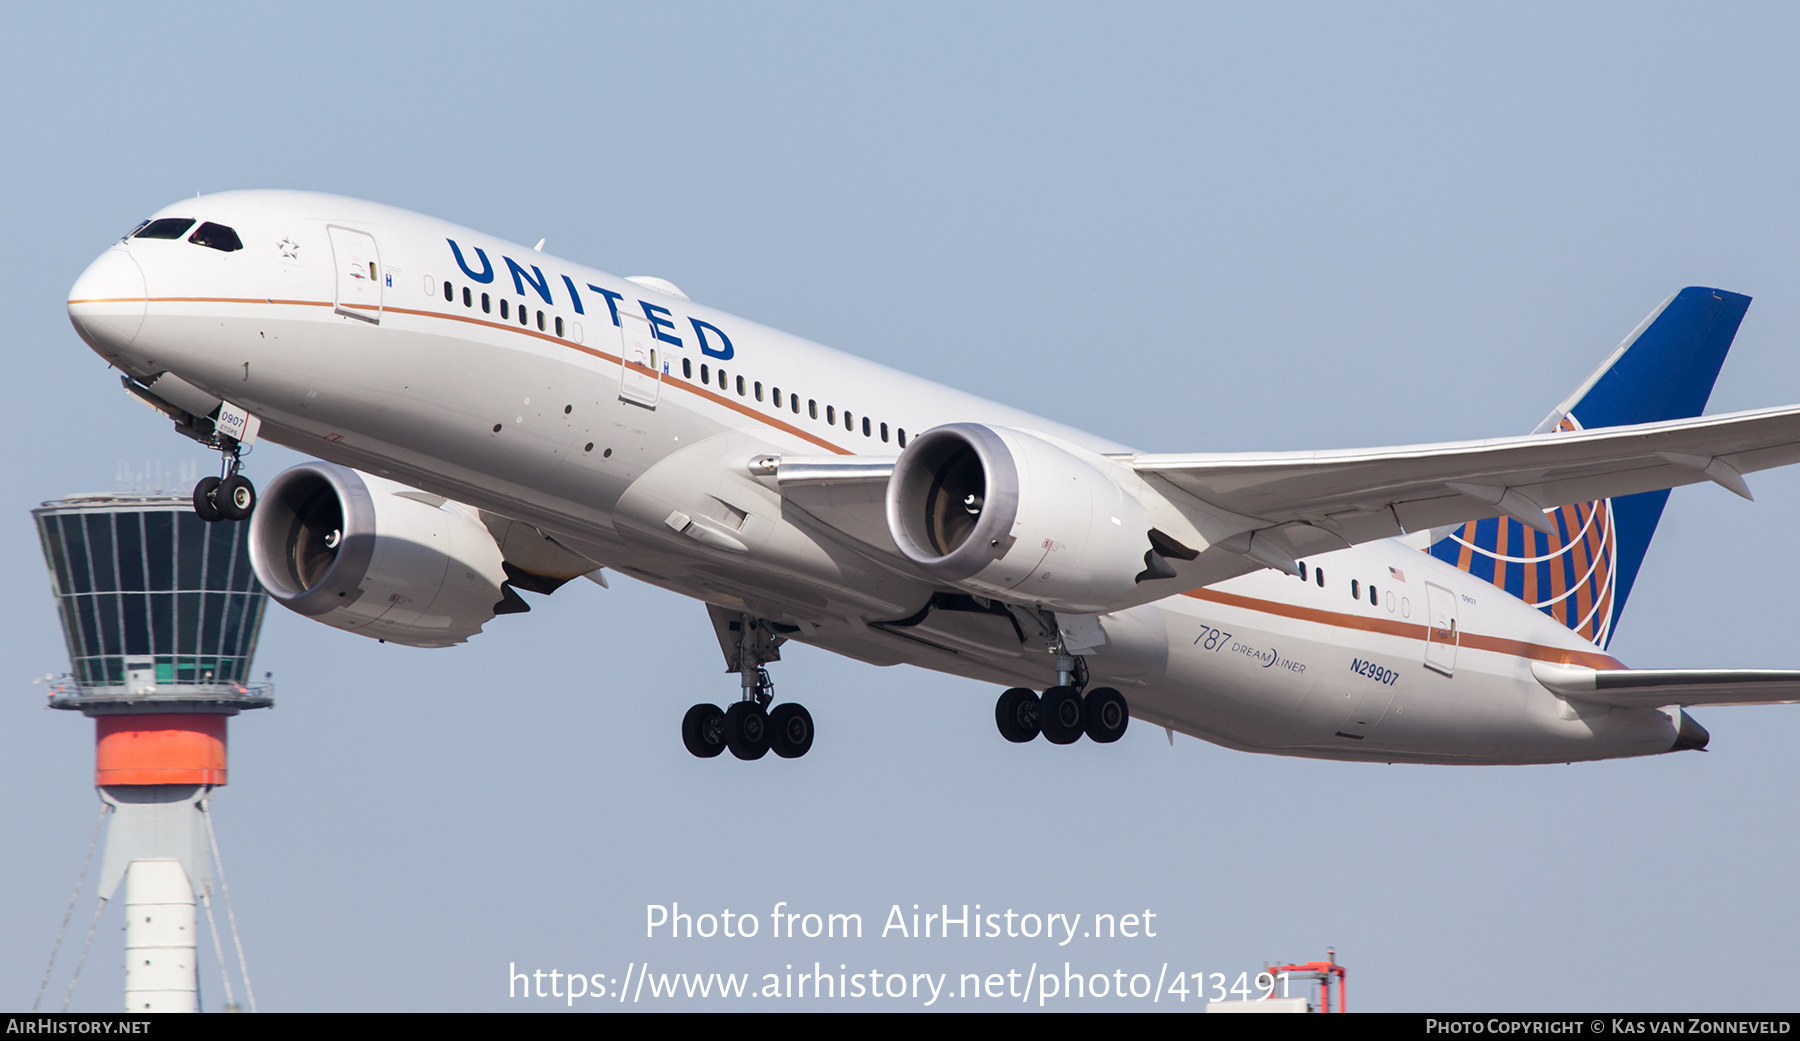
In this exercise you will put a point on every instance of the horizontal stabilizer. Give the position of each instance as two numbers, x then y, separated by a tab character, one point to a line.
1656	688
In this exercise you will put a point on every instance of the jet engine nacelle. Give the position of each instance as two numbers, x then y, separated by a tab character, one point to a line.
374	557
1007	514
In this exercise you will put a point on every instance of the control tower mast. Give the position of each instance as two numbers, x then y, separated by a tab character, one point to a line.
161	613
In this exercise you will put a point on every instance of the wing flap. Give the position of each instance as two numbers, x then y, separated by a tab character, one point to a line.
1657	688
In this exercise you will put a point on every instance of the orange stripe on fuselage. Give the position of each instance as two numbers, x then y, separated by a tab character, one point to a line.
717	399
1409	630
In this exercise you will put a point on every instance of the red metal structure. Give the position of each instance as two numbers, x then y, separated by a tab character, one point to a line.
1323	971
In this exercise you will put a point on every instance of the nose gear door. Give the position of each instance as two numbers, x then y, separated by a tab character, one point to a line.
358	273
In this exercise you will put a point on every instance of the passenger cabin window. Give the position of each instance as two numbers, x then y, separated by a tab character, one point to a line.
1302	570
830	415
866	431
503	310
687	368
468	297
902	436
486	304
794	399
812	408
449	293
1319	576
1373	597
705	373
540	321
559	326
884	433
166	228
221	238
1355	593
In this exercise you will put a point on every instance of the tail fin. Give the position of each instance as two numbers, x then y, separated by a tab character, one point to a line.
1664	370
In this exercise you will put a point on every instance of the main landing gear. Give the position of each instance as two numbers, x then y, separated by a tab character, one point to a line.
749	728
228	497
1063	713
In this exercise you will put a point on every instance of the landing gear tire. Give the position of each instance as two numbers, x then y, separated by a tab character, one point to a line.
235	498
1060	716
1016	713
204	504
1106	715
747	730
790	730
703	730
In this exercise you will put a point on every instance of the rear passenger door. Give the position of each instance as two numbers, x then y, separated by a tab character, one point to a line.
1441	636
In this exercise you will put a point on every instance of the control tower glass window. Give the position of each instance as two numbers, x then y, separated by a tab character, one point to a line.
143	583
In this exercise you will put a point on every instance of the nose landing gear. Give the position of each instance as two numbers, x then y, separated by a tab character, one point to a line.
231	497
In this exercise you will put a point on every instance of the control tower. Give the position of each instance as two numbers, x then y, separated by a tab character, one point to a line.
161	612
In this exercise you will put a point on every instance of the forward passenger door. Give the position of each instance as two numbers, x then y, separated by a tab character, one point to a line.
357	269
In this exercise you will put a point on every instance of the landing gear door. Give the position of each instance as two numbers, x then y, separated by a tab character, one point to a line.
640	362
1441	636
358	272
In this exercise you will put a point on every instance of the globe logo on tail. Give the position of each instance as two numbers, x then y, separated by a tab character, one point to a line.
1569	576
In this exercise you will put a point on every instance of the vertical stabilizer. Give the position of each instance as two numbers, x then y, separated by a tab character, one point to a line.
1581	576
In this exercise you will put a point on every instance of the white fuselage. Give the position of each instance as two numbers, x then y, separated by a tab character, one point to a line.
531	424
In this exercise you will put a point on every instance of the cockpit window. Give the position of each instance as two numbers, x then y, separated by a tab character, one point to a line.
141	226
217	236
166	228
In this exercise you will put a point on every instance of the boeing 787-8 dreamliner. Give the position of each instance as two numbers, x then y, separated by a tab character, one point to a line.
490	419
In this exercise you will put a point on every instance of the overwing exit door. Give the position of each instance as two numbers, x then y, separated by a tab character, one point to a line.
358	275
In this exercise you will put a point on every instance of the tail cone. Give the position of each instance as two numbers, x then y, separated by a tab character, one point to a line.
1690	735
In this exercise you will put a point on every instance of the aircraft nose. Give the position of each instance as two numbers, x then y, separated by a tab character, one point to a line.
107	303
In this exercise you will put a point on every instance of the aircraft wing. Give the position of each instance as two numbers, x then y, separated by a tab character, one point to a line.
1305	502
1269	509
1656	688
848	493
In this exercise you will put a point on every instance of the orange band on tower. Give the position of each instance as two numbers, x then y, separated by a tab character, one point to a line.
168	748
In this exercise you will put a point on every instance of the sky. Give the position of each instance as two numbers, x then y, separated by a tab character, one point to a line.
1184	227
